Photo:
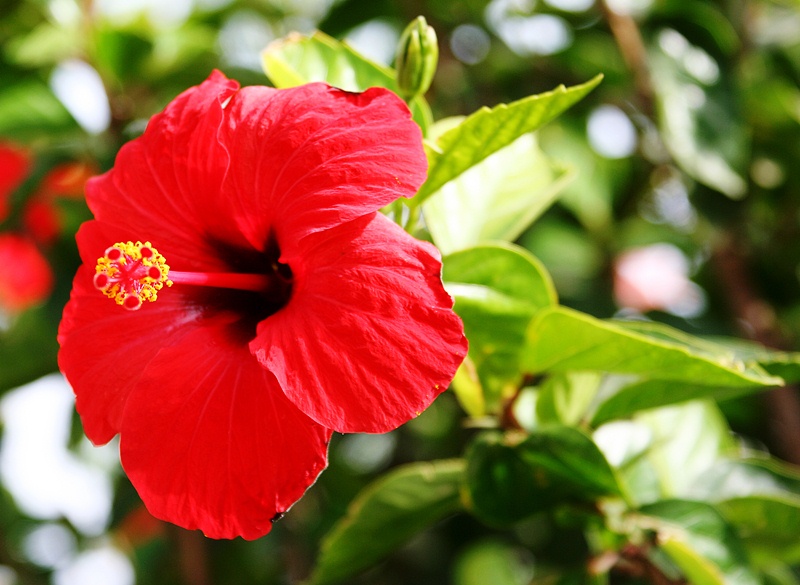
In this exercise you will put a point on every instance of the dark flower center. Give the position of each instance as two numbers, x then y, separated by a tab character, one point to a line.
257	286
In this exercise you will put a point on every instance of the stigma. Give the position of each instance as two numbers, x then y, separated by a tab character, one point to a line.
131	274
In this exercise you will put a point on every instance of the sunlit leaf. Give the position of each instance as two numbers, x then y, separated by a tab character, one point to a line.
562	340
497	290
496	199
565	398
687	440
489	130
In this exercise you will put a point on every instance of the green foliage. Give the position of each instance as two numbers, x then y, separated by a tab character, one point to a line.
299	59
560	340
489	130
387	514
696	537
496	199
497	289
591	450
511	477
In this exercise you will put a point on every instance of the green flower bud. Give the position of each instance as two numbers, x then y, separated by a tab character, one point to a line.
417	57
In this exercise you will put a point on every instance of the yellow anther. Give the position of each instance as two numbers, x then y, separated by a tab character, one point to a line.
131	273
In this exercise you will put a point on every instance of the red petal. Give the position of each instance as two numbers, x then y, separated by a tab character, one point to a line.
210	441
104	348
369	338
312	157
167	182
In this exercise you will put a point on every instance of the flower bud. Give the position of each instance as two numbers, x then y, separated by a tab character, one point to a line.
417	57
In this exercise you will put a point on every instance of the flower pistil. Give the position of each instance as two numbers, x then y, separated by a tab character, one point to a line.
131	274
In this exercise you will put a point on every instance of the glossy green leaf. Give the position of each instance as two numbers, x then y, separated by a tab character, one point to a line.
687	440
489	130
632	398
386	514
699	540
497	290
511	477
298	59
562	340
566	398
778	363
496	199
626	399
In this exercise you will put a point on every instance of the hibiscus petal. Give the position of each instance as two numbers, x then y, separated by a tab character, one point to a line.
167	182
210	441
313	157
104	347
369	338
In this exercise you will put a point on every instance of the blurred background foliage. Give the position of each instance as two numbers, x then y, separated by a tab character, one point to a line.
683	204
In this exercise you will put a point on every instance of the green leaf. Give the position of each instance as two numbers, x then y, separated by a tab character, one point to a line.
768	525
627	399
492	561
122	54
298	59
45	45
565	398
662	452
699	541
509	478
698	570
488	130
688	440
761	498
30	345
468	390
497	199
386	514
630	399
562	340
29	110
497	290
778	363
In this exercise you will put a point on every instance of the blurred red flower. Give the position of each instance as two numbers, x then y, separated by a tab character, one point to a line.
15	164
313	313
25	276
67	180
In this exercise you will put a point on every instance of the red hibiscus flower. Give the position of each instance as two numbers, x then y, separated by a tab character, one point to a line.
15	164
287	307
25	276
